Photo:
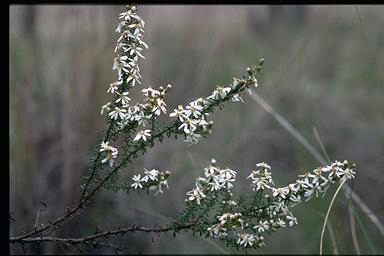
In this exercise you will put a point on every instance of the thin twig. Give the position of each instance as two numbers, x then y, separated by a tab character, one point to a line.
37	219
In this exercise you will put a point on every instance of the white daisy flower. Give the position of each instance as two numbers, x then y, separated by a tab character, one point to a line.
246	239
262	226
179	113
188	126
193	109
160	106
349	173
118	113
105	146
152	175
196	194
114	86
141	118
123	98
142	135
137	181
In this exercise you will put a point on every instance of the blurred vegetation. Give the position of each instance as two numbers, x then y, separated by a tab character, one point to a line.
321	71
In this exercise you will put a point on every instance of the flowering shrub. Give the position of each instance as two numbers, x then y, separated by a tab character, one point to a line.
245	221
212	210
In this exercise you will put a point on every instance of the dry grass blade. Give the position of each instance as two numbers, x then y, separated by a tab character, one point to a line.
333	238
326	217
370	44
353	230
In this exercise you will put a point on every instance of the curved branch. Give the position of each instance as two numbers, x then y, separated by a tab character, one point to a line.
90	238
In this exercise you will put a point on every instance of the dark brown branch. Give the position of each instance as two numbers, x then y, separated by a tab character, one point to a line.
90	238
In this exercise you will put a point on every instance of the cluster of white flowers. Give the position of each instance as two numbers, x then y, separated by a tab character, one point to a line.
226	221
232	90
153	180
193	121
153	107
155	100
111	153
129	45
215	179
129	49
193	118
272	210
261	178
308	184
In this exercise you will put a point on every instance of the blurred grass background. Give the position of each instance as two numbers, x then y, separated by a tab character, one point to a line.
323	69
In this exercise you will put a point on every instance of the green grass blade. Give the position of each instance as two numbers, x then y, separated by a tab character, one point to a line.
365	233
